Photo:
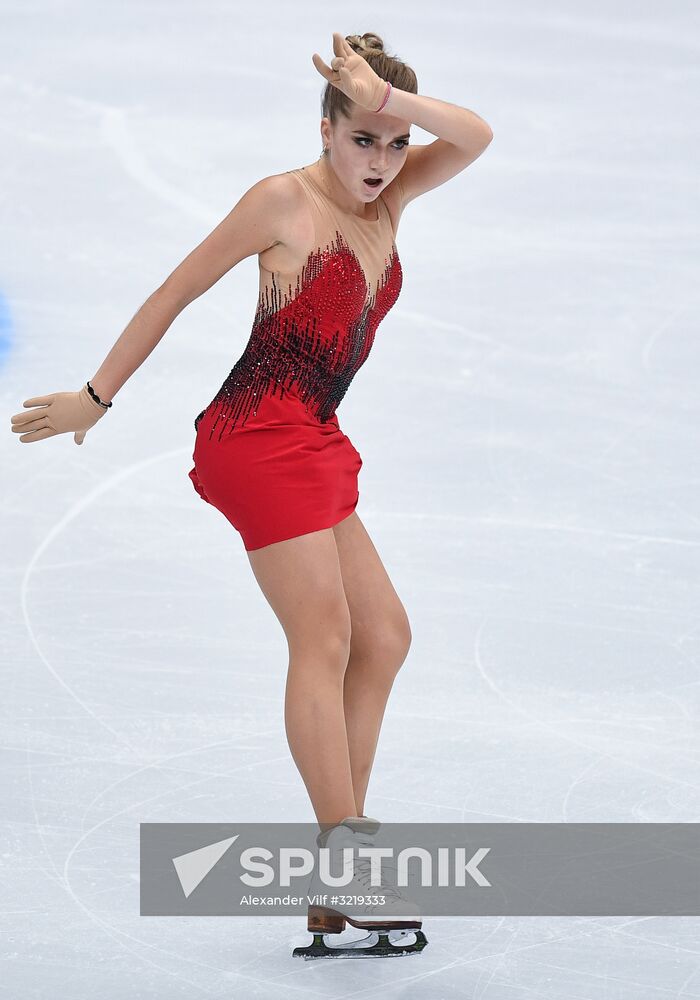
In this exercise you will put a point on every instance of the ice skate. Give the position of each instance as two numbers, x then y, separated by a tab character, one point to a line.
394	926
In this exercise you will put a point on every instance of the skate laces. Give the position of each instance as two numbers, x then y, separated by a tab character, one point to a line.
363	873
361	867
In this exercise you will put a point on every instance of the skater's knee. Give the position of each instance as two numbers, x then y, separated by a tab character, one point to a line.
380	653
394	643
321	642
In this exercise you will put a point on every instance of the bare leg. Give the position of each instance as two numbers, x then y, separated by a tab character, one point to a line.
379	644
301	579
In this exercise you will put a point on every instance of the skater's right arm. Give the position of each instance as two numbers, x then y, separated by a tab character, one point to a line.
257	222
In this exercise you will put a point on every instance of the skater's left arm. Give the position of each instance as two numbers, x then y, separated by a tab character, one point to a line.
462	137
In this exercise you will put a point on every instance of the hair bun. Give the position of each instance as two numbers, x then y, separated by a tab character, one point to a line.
369	42
335	103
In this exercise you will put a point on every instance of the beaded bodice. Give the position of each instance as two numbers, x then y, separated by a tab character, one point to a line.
314	328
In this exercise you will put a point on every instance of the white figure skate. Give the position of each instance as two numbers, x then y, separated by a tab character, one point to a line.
389	922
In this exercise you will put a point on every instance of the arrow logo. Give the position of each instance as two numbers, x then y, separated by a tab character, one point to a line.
192	867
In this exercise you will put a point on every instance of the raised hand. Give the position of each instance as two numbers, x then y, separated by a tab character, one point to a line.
58	413
352	74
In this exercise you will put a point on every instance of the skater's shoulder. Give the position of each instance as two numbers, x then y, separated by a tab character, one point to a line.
281	190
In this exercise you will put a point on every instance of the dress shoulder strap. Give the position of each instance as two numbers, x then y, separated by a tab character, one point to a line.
309	187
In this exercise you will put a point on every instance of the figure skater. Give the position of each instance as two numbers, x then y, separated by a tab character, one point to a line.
269	453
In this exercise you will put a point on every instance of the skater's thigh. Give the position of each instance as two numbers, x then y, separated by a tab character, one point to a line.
380	625
301	580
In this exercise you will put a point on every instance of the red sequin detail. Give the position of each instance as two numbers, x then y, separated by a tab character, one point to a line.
312	340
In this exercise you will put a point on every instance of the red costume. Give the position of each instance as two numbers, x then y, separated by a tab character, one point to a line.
269	453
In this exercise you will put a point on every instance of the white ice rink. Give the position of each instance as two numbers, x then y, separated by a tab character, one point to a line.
528	422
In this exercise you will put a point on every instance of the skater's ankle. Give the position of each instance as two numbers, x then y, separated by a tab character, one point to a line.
326	825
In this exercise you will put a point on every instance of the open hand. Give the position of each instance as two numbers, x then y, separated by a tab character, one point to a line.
58	413
352	74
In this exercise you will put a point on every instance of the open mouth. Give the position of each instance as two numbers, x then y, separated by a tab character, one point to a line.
373	182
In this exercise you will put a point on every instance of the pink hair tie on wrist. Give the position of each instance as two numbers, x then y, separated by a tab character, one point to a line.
386	98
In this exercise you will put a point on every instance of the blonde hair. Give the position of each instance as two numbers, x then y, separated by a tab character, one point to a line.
390	68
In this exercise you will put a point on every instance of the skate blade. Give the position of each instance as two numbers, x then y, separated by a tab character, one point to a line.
376	944
373	937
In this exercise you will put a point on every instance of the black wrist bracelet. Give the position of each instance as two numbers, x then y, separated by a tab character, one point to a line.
96	397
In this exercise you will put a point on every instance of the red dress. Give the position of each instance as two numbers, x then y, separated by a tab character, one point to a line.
269	453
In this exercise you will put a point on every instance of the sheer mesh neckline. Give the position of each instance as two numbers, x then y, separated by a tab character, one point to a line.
342	211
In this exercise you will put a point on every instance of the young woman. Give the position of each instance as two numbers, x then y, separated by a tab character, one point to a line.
269	452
